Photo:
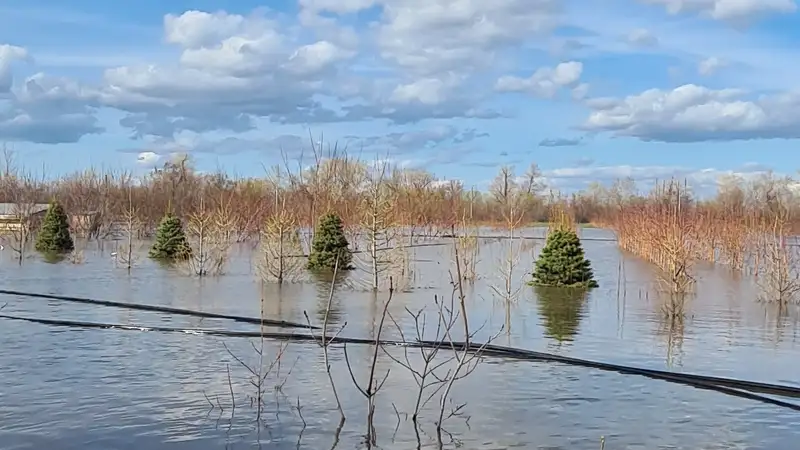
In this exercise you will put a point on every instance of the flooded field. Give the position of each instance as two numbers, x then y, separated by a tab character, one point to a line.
71	388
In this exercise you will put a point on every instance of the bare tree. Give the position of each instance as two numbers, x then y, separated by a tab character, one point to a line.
324	342
780	282
373	385
426	375
504	186
209	234
130	227
509	291
280	246
385	257
24	194
466	358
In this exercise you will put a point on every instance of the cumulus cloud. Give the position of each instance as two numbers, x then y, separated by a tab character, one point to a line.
692	113
435	36
728	9
48	110
545	82
148	159
417	61
8	55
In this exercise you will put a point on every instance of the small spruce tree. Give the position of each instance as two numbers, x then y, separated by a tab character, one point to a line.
54	237
171	243
563	263
330	241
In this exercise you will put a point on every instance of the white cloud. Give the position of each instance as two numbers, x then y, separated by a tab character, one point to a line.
417	62
692	113
728	9
148	159
8	55
545	82
434	36
710	65
702	181
642	37
197	29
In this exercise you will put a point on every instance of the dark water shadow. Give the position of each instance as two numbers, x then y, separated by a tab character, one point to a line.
561	311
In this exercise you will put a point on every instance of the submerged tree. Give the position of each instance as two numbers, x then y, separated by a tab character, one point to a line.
54	237
171	243
279	247
562	262
329	246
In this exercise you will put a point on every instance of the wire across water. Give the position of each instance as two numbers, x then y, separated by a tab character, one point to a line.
740	388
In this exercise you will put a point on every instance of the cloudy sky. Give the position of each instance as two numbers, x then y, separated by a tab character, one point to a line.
588	89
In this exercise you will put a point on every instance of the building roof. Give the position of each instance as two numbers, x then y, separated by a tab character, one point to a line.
10	209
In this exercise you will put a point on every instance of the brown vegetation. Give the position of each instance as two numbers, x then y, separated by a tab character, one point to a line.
748	226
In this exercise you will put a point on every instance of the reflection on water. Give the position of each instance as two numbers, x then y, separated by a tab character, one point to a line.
561	310
323	282
102	389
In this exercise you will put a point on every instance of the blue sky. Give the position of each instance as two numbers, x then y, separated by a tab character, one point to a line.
590	90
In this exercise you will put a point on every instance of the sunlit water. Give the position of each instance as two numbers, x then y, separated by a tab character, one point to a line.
66	388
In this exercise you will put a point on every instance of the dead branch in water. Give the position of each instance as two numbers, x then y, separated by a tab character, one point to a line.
325	342
465	360
373	386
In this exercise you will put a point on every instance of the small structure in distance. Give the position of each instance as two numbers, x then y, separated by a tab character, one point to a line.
13	216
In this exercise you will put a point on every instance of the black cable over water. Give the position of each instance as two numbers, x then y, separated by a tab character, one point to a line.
164	309
733	387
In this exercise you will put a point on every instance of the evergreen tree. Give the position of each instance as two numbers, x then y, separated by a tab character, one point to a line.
562	262
330	241
171	243
54	237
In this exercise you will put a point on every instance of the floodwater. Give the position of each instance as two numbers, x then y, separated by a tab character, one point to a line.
104	389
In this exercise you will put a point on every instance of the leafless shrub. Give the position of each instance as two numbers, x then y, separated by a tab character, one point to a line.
373	385
209	234
76	257
384	258
24	195
130	226
259	373
324	342
780	281
426	375
509	291
280	248
466	359
466	251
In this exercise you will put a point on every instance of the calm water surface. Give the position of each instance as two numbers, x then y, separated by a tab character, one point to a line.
65	388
